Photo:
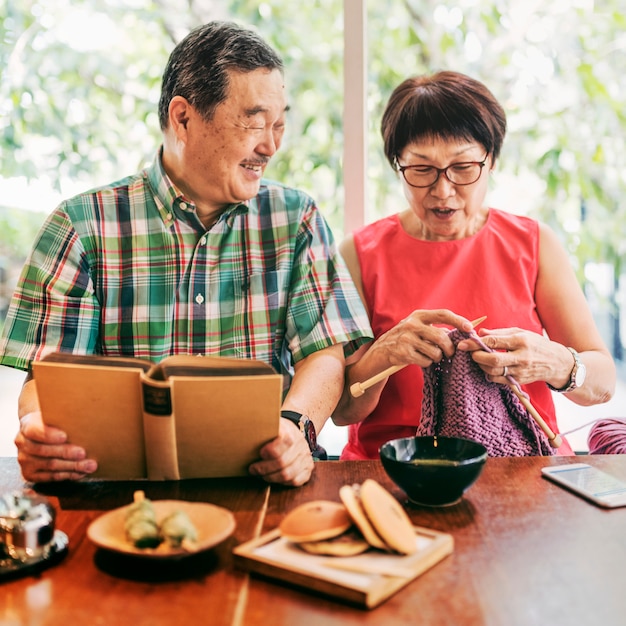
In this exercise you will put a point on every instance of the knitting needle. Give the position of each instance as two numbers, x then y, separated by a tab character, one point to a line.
358	389
554	438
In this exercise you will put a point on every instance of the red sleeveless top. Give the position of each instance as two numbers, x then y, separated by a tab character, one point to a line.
492	273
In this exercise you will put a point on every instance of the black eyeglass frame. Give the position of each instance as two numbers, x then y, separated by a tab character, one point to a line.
442	170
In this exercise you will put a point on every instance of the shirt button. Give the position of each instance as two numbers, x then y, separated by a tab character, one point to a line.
168	217
199	298
183	205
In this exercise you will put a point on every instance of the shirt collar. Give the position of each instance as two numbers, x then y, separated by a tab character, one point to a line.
170	201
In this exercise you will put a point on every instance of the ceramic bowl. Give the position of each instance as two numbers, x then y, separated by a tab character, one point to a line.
433	471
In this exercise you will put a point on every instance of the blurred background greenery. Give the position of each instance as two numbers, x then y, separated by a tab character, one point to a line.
80	82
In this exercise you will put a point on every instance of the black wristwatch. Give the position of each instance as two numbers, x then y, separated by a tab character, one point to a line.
307	428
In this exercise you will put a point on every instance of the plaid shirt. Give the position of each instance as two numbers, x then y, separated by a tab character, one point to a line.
129	270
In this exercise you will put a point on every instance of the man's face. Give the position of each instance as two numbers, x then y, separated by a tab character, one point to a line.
223	160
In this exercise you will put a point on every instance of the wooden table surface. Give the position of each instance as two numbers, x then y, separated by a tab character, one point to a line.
526	552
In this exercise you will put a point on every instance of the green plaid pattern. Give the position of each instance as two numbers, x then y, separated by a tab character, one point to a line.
128	269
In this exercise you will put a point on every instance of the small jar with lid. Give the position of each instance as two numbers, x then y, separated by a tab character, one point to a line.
27	522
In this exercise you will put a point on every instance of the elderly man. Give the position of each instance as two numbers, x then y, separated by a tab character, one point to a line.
196	254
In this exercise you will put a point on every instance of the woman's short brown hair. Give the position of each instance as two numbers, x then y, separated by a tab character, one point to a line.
446	105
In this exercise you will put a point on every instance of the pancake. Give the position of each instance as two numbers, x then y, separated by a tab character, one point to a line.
349	543
350	498
388	517
315	521
368	516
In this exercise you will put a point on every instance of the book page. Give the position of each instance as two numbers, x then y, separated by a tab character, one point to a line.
98	360
182	365
221	422
99	407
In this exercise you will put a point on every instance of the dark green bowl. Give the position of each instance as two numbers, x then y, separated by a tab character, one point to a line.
434	471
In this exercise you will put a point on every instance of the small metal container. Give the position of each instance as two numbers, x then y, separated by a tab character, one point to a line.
27	523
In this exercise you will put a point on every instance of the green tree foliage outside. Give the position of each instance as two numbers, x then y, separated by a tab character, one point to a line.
80	82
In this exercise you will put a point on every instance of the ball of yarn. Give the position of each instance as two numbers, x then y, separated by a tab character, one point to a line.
608	436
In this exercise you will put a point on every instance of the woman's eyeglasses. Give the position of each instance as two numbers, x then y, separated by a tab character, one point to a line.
464	173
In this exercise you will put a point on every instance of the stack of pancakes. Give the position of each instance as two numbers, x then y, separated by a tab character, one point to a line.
368	516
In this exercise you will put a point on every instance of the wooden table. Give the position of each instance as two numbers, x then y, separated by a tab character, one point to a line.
526	552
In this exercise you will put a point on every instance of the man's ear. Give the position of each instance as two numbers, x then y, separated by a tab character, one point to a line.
179	112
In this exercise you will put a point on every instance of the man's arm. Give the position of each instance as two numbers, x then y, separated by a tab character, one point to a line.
317	385
315	390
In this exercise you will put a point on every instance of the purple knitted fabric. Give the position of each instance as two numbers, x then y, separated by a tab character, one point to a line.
459	401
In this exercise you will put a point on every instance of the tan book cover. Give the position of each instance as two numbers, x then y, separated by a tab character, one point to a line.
185	417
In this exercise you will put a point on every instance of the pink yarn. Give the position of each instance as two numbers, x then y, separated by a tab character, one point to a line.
459	401
608	436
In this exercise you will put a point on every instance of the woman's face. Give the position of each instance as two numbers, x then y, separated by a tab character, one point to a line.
444	210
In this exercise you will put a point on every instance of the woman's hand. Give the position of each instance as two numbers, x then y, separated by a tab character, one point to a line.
414	340
417	340
527	356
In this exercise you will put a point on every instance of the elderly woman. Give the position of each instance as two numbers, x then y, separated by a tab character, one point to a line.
447	259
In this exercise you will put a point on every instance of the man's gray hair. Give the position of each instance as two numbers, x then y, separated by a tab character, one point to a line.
199	66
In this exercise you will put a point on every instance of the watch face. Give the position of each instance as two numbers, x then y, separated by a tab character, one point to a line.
309	433
306	426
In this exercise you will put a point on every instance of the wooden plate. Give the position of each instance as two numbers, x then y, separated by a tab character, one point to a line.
213	523
365	579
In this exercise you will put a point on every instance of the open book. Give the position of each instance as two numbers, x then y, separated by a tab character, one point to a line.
186	417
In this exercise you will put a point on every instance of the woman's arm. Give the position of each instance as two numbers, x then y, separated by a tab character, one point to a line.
414	340
567	319
352	410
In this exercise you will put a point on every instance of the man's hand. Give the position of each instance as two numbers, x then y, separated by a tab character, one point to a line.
44	454
287	459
